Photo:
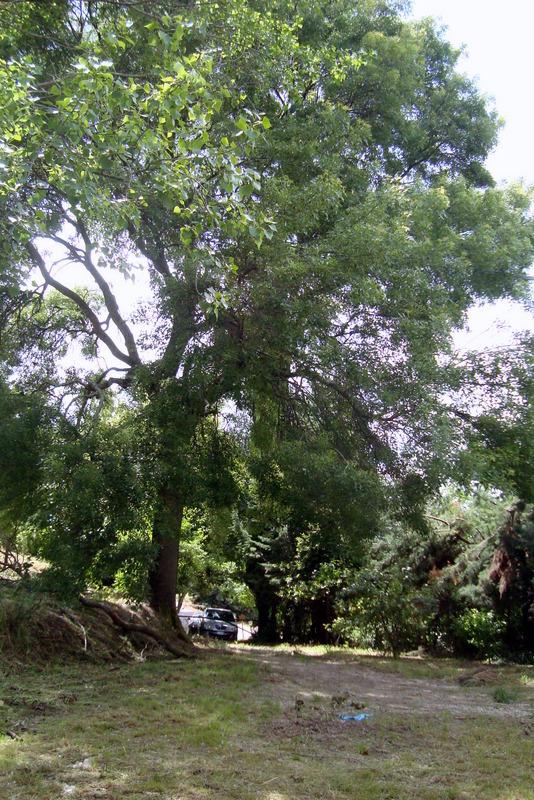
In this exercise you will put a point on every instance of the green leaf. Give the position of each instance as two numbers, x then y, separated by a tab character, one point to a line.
186	236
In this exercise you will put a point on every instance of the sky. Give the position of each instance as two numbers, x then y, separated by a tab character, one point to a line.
499	41
498	38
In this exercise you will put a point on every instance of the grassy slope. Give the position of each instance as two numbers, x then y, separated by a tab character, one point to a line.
214	729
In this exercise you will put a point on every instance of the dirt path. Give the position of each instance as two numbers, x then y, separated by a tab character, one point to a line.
349	682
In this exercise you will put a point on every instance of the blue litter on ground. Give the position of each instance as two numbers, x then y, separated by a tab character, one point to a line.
354	717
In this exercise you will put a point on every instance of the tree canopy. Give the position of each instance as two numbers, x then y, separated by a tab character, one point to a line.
301	192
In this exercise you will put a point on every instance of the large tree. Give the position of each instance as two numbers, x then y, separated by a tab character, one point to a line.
122	140
304	190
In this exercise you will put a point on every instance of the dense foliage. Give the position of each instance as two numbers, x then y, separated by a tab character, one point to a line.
299	193
465	587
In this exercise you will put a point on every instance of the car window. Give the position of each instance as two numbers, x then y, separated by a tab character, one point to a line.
227	616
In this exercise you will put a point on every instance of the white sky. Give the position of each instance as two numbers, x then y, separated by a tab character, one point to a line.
499	52
499	41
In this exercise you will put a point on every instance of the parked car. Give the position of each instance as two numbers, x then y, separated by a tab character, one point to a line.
217	622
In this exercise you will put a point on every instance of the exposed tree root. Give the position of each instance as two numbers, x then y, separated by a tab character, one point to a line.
180	648
35	628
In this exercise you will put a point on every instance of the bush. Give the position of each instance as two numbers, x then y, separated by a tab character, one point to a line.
345	632
503	695
390	614
479	633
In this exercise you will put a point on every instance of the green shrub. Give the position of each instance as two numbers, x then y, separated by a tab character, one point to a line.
346	632
390	615
480	633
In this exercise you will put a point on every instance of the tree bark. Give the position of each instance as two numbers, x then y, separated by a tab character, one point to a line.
267	621
322	615
166	531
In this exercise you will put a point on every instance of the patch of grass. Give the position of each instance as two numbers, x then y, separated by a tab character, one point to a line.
208	729
407	665
416	666
503	695
527	679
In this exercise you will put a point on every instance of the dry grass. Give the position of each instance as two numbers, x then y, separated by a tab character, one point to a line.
36	628
220	728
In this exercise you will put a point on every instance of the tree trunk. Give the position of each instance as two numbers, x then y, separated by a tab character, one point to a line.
288	626
166	538
266	600
267	622
322	615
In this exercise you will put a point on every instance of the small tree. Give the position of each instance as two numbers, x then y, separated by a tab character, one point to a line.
389	613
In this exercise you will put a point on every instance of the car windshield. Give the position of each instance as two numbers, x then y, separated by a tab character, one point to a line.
220	613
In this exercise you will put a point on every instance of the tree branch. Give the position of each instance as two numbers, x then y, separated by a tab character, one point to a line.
181	333
109	297
154	253
84	307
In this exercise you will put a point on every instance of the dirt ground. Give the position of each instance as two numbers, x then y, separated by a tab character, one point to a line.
349	683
